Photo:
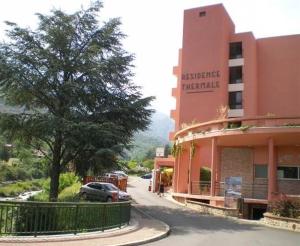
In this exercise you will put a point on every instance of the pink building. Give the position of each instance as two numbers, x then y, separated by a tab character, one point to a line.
237	112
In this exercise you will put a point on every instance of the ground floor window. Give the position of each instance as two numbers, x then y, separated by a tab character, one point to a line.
261	171
290	172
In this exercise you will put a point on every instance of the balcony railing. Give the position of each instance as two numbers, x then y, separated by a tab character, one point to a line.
201	188
249	190
242	123
254	191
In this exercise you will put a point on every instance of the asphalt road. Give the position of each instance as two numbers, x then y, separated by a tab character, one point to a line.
191	228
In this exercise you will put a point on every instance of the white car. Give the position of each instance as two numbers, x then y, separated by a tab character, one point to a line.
121	174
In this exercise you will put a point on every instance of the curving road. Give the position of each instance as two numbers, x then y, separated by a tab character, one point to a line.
193	229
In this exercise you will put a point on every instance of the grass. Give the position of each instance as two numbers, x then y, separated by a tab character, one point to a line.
16	189
68	194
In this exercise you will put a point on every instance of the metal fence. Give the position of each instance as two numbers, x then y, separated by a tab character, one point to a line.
201	188
36	218
249	190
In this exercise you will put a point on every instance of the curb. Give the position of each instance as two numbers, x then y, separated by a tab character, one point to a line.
133	226
151	239
277	227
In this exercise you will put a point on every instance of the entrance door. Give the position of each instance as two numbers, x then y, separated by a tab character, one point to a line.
258	211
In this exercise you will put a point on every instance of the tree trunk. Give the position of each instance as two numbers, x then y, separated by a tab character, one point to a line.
54	182
55	168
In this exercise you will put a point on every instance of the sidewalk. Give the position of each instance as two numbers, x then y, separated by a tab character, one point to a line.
142	229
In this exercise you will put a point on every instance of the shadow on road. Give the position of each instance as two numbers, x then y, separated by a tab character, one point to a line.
184	221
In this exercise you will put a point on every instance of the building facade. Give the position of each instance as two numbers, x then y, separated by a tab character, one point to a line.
237	112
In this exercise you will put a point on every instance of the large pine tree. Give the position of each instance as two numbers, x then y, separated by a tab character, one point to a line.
72	79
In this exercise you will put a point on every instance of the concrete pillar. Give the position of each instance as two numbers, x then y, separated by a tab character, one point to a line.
190	174
214	165
174	175
218	171
272	170
178	158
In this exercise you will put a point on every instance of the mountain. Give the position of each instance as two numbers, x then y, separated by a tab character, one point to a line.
157	135
161	125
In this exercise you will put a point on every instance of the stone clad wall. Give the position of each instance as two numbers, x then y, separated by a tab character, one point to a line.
282	222
209	209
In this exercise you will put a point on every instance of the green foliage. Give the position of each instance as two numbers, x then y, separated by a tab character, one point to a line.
70	194
176	150
285	207
40	197
65	180
192	149
12	173
205	174
132	164
143	147
137	172
4	154
71	80
20	187
168	150
234	125
69	186
148	164
20	171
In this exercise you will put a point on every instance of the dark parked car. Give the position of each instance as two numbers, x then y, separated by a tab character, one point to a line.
147	176
105	192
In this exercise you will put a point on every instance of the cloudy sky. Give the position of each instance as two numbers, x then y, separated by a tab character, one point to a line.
154	30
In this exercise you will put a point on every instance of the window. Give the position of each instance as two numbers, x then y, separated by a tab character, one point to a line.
98	186
235	75
261	171
202	13
236	100
92	185
235	50
288	172
235	124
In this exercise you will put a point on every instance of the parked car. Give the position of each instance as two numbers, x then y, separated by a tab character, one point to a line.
105	192
147	176
116	174
111	175
121	174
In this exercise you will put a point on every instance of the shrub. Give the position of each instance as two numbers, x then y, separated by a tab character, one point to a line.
65	180
148	164
132	164
70	194
36	173
205	174
285	207
40	197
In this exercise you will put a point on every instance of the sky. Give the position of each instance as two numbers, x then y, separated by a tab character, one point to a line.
154	30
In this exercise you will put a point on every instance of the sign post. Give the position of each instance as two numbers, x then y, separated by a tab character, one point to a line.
233	189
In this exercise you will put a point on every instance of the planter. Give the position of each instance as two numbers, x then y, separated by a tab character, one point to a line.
282	222
214	210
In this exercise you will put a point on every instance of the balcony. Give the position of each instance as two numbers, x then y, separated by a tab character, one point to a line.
173	114
174	92
175	70
262	126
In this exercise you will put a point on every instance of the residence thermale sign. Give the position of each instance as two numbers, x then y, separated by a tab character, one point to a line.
200	81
